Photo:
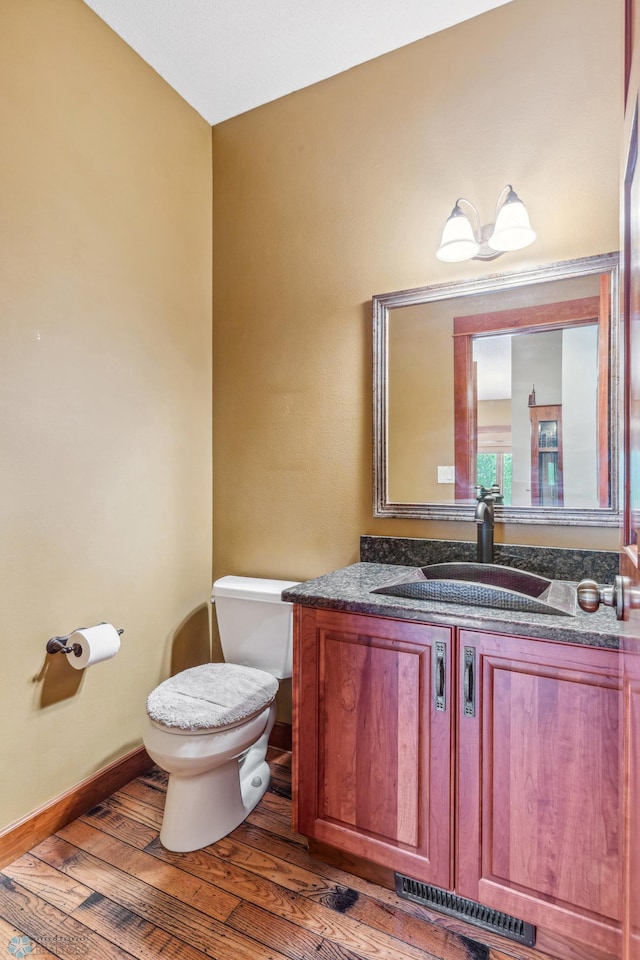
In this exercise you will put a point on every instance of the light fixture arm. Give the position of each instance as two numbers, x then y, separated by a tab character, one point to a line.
477	229
483	232
506	195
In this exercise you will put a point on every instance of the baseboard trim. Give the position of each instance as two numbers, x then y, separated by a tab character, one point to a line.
22	836
27	833
280	736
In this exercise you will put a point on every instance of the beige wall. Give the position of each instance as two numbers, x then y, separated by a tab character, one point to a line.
105	389
339	192
321	200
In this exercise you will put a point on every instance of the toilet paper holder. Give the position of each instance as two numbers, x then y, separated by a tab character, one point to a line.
60	644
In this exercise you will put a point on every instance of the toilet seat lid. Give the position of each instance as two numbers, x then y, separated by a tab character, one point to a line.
211	696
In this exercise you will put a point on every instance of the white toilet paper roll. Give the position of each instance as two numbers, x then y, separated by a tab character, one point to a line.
96	644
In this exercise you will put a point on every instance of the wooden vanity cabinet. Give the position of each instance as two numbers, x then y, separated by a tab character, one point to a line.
372	739
522	816
538	819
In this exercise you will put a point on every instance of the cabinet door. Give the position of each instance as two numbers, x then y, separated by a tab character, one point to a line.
372	739
538	785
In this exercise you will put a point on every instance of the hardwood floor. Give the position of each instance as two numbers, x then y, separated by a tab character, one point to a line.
103	887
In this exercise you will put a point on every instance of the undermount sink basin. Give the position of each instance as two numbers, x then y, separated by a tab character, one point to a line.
485	585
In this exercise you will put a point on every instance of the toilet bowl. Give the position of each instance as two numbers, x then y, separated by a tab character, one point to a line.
209	726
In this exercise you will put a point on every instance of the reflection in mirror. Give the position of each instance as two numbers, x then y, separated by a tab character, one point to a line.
510	379
539	443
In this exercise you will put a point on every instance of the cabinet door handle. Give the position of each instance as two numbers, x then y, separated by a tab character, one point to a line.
469	706
440	676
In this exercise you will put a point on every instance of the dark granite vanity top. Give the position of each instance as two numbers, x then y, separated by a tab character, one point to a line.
555	563
349	589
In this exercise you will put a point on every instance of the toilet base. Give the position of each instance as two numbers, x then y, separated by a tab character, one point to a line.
204	808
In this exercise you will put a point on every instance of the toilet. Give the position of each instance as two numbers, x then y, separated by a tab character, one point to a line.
209	726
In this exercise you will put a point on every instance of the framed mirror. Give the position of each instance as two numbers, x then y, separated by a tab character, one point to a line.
510	379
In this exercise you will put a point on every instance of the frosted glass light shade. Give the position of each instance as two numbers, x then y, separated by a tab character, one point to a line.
512	229
458	240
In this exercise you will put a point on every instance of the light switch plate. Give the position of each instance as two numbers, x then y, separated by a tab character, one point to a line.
446	474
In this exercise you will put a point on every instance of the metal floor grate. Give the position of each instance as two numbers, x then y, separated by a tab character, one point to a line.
454	906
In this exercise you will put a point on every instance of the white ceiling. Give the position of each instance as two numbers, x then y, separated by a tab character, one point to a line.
227	56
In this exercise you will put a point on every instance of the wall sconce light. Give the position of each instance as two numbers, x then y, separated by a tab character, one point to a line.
461	240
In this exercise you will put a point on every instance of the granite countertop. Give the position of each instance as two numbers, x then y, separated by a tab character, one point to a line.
349	589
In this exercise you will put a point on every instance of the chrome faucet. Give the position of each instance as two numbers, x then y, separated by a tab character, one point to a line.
485	520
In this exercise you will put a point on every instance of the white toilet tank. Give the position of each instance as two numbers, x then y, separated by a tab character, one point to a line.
256	626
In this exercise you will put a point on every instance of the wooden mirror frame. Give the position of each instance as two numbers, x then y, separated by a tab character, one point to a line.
604	309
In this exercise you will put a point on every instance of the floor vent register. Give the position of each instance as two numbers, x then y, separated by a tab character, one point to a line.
454	906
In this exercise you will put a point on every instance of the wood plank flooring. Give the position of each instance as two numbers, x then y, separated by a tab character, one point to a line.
104	888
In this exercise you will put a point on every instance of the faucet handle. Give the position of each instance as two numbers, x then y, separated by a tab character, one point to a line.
493	493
